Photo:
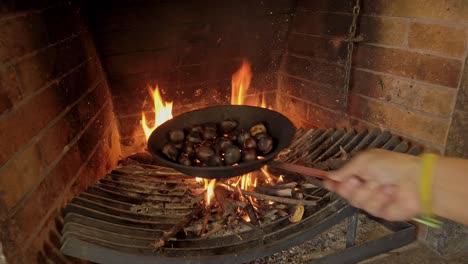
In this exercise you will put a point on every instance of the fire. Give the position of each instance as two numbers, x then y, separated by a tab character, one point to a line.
280	180
240	83
162	112
209	186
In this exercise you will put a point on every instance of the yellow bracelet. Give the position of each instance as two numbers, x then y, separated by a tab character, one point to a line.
425	188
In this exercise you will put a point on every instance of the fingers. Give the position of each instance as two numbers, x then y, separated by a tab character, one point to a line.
355	167
368	196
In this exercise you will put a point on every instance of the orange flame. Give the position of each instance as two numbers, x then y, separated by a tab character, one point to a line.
162	112
209	186
240	83
268	178
281	179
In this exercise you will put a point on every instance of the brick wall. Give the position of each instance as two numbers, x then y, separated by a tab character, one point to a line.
409	75
406	72
190	48
58	132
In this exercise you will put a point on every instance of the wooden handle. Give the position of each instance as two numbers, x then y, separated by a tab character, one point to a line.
307	171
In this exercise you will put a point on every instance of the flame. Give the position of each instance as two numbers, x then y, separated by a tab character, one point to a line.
280	179
162	112
268	178
209	186
240	83
198	179
263	104
246	181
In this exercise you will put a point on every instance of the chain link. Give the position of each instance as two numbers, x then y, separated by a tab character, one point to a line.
350	46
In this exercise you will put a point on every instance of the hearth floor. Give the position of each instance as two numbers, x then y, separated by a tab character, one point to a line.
416	253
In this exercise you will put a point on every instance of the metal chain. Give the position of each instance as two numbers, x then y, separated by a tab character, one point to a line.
351	39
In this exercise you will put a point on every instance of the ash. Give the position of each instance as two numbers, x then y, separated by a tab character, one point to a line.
330	241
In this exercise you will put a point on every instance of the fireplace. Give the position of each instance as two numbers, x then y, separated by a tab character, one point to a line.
74	80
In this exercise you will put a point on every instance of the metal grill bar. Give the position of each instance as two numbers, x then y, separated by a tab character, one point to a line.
116	219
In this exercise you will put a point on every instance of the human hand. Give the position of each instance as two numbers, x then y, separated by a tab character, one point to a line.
383	183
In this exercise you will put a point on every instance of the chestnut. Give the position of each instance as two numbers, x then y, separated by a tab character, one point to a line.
194	137
210	126
215	161
232	155
184	159
249	154
188	149
176	136
260	135
242	137
179	146
209	134
249	143
232	136
170	151
228	126
265	144
257	129
222	144
196	128
204	153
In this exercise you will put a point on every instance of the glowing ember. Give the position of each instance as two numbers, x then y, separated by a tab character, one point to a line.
198	179
209	186
162	112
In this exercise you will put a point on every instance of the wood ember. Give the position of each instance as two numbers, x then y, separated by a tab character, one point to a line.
233	210
279	199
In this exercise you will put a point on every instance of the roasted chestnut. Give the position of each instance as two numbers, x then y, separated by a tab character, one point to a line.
232	155
204	153
217	144
232	136
210	126
179	146
215	161
176	136
194	137
249	154
242	137
170	151
209	134
228	126
188	149
184	159
249	143
222	144
196	128
257	129
265	144
260	135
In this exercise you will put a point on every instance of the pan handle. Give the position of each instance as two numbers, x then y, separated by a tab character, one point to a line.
307	171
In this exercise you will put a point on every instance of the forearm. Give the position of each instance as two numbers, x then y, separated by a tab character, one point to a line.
450	189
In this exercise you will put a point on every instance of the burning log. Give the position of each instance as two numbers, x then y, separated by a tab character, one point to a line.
275	191
251	213
279	199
